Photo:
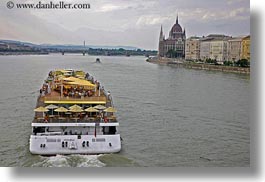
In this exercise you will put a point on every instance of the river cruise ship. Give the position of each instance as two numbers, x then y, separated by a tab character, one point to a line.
74	115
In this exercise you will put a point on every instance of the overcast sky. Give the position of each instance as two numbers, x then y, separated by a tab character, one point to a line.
123	22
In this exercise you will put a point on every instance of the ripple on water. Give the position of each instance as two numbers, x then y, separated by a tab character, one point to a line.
116	160
69	161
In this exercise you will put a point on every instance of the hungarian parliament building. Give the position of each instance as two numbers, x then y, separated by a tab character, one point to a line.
174	45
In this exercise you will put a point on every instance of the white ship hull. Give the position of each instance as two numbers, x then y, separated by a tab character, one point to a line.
74	144
74	115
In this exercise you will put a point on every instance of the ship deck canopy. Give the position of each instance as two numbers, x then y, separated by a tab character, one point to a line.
75	81
81	83
65	101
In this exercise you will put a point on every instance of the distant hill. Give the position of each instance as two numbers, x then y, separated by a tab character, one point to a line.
66	46
17	42
13	47
87	46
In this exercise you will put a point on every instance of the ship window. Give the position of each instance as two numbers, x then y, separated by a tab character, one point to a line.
105	130
38	130
112	130
109	130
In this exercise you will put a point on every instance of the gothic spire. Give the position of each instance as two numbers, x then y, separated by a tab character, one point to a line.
161	34
177	20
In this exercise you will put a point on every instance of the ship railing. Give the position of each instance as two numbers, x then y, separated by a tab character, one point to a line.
59	98
49	133
98	132
105	92
109	98
110	119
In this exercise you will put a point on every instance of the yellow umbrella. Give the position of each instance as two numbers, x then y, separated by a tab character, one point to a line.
82	83
91	109
100	107
110	109
75	107
76	110
80	77
61	109
71	78
57	72
51	106
67	86
60	77
41	109
79	72
65	71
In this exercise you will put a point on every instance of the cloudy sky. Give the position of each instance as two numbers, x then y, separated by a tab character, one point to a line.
123	22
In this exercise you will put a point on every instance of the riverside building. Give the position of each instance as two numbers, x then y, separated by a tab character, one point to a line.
192	48
214	46
245	53
234	49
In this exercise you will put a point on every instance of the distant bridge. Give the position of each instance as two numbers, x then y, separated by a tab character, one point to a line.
82	52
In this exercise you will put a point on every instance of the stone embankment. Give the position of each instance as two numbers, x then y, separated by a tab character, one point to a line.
191	65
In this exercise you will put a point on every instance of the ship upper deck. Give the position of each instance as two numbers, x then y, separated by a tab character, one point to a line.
66	91
55	97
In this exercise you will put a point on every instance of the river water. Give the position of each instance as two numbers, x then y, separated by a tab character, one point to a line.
169	116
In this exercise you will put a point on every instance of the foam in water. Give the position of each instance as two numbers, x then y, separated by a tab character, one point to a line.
70	161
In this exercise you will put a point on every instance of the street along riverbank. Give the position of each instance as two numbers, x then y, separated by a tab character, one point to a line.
192	65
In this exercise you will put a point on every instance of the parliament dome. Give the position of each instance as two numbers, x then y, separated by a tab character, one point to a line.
176	28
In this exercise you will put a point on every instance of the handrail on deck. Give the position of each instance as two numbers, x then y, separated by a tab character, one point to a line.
59	98
71	120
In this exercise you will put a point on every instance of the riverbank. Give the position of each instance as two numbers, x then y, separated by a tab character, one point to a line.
22	53
192	65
